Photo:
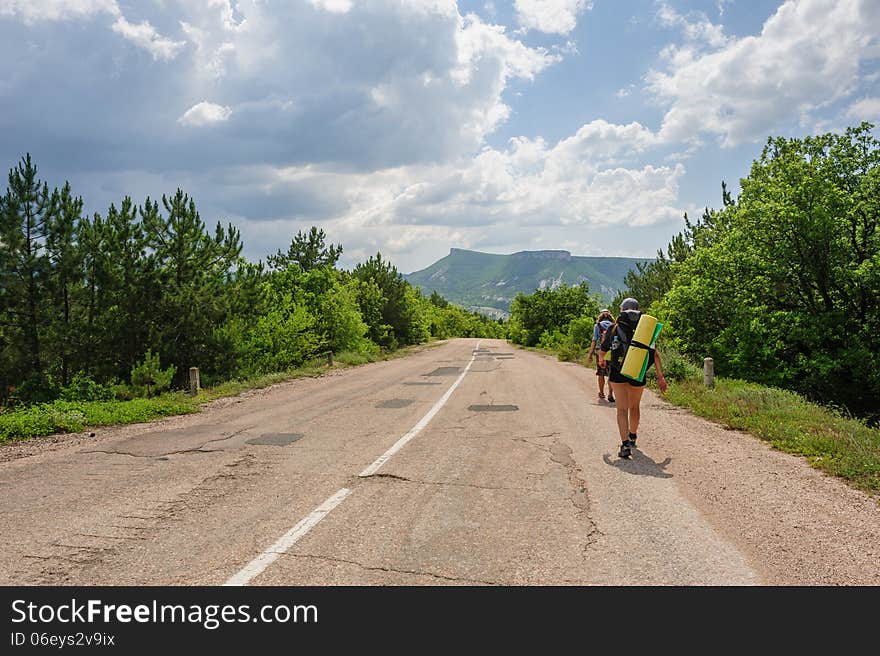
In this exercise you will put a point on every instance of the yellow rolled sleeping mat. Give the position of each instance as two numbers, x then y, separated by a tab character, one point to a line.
635	364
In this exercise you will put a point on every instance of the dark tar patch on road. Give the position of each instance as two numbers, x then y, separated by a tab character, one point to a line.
493	408
276	439
445	371
395	403
420	382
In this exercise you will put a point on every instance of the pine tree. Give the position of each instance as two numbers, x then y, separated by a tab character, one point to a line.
192	267
308	251
92	240
66	274
131	285
27	210
395	311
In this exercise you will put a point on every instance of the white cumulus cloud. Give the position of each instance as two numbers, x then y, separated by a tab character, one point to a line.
333	6
581	180
204	113
807	56
866	109
145	36
142	34
374	122
698	28
550	16
52	10
600	140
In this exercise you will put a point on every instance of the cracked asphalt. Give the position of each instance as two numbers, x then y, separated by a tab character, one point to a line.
531	496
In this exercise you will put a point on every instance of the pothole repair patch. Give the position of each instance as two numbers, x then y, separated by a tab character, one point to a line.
395	403
493	408
444	371
420	382
276	439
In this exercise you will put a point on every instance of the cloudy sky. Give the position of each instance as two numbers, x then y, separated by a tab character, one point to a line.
409	126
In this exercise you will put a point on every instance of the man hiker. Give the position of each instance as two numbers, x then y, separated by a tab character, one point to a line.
602	325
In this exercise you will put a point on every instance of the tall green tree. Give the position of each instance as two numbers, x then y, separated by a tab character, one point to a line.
131	286
784	287
192	266
93	244
28	208
650	281
549	310
308	250
396	310
66	272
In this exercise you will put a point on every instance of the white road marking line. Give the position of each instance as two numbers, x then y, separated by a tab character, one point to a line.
270	555
415	430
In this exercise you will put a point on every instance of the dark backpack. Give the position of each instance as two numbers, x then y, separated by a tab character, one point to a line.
625	328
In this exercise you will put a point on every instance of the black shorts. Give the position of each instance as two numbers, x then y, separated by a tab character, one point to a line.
603	372
617	377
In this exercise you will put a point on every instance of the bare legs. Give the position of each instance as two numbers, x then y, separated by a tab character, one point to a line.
628	415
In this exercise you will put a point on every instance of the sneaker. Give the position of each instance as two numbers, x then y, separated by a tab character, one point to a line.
610	398
601	395
625	449
632	439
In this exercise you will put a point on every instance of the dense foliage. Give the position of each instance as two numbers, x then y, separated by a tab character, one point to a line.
781	285
560	319
123	304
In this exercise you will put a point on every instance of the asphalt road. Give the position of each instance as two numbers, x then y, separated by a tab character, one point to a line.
507	474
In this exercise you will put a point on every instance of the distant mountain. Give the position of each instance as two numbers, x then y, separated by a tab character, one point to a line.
487	283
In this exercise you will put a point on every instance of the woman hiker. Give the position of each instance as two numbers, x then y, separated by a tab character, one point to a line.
627	391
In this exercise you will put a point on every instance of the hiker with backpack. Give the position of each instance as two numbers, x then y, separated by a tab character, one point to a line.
628	391
603	324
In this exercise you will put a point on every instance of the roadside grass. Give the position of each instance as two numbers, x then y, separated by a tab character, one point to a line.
76	416
835	444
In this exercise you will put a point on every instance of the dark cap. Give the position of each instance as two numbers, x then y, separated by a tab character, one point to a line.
629	304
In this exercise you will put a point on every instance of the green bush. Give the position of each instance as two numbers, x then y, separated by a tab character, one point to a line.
579	336
676	366
283	338
84	388
36	388
149	376
27	422
123	392
570	352
580	332
549	310
66	420
551	339
339	318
